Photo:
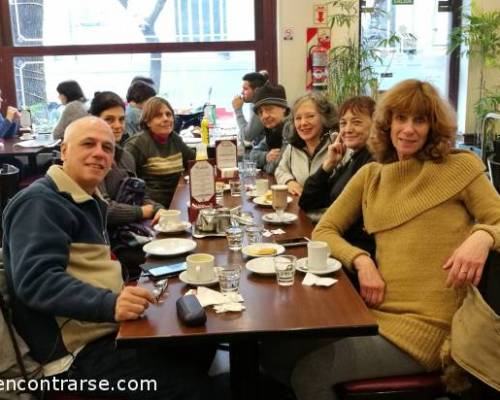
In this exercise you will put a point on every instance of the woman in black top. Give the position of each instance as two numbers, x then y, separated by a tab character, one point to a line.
345	156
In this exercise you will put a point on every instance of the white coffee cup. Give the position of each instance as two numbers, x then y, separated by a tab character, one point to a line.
169	218
200	267
317	255
261	186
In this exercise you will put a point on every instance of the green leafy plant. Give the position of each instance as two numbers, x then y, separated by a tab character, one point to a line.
479	38
351	71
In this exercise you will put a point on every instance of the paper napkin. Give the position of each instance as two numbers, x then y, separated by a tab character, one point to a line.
222	302
311	279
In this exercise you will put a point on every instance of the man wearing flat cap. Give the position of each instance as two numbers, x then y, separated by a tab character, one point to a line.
271	107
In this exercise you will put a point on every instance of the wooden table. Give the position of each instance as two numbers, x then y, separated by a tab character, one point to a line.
9	148
271	311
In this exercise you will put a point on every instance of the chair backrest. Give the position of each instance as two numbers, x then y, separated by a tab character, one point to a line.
9	183
489	286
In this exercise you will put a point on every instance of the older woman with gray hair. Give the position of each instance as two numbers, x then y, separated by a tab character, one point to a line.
313	117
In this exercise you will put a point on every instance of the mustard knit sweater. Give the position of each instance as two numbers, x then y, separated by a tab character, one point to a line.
419	213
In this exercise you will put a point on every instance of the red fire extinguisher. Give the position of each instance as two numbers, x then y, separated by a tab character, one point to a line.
319	67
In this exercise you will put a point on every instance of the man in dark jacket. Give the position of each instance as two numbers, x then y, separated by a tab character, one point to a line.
66	289
271	107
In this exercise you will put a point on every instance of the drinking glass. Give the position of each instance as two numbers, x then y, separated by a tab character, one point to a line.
284	266
235	187
234	236
280	195
229	278
219	192
250	172
254	233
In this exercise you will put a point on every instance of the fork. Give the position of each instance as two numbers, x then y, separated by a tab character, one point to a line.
160	288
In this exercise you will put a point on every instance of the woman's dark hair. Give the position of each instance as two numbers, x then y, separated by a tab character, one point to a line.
145	79
358	105
140	91
103	101
72	90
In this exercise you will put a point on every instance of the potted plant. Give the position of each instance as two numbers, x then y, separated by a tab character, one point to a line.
351	71
479	38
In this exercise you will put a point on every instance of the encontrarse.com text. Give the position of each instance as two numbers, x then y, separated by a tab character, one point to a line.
81	385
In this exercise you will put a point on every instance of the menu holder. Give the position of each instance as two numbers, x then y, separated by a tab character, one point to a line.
201	186
226	156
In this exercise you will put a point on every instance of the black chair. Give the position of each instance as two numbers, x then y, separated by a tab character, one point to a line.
494	171
9	183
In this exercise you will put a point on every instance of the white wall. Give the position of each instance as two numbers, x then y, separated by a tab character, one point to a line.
297	15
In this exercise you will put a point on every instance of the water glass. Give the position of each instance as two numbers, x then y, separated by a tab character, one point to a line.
250	168
235	187
242	169
254	233
219	192
234	236
229	278
284	266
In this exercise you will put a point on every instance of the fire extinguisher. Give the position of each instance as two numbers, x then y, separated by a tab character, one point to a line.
319	68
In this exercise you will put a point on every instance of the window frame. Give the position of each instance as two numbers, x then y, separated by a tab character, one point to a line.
264	46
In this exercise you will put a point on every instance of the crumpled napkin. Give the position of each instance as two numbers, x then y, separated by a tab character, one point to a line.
311	279
222	302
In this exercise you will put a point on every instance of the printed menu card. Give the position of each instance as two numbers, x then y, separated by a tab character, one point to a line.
226	153
202	183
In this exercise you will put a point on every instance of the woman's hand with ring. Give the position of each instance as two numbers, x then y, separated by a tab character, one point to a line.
467	261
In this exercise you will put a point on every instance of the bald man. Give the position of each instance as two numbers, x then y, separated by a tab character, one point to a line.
67	291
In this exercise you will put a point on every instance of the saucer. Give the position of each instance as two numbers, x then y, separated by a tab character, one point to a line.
273	218
180	227
332	266
252	250
264	201
261	265
169	247
184	278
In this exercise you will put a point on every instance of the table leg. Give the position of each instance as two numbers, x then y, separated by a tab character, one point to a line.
244	361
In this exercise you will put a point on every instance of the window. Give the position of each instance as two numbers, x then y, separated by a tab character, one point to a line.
422	50
190	48
56	22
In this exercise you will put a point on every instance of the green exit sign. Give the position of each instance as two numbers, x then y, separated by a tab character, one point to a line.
401	2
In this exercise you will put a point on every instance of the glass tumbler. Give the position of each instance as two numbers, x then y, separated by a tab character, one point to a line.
234	237
229	278
284	266
254	234
235	187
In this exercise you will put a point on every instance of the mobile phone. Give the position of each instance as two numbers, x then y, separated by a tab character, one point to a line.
292	242
157	271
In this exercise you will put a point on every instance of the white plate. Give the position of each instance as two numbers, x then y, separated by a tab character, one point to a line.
273	218
169	247
253	248
182	226
261	265
331	266
184	278
261	201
